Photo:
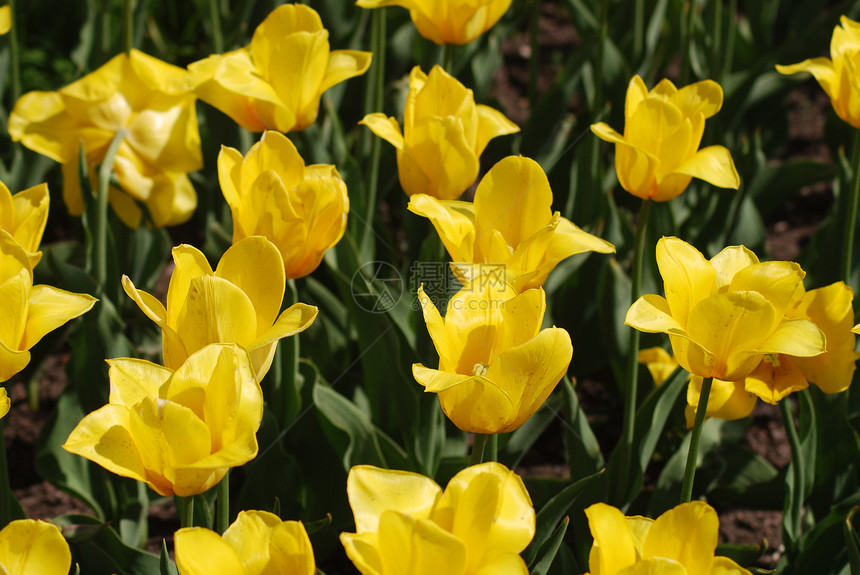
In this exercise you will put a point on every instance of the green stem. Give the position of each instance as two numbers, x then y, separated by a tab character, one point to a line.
686	43
128	25
851	212
716	40
598	103
186	511
484	448
534	46
5	490
448	58
373	102
632	389
223	518
695	440
797	463
639	30
101	223
215	20
290	365
14	54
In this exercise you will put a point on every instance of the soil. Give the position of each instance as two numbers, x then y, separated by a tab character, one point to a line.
788	230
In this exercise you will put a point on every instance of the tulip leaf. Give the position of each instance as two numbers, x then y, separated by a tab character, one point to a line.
99	550
742	554
796	494
553	512
166	564
520	441
852	542
548	551
583	452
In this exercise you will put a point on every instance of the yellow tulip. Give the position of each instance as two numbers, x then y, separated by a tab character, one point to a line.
301	209
838	76
406	524
28	547
659	152
237	303
5	19
276	82
681	541
5	402
257	543
177	431
496	365
147	98
510	225
725	315
448	21
29	312
444	134
661	365
24	216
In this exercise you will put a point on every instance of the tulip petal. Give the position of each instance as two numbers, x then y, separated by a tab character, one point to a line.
295	319
774	379
437	159
200	551
436	328
657	566
50	308
687	533
104	437
344	64
705	97
290	549
821	68
372	491
492	124
728	400
361	548
651	313
713	164
613	542
725	566
729	262
454	222
29	546
386	128
29	209
418	546
798	337
12	361
215	310
131	380
189	264
254	265
14	301
688	277
777	281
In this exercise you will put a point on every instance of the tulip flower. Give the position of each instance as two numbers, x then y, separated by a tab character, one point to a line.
28	547
405	523
838	76
237	303
177	431
659	152
681	541
301	209
5	19
24	216
510	225
257	543
448	21
5	402
276	82
444	134
134	92
29	312
496	365
725	315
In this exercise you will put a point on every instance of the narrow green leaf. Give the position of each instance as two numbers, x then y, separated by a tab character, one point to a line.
548	551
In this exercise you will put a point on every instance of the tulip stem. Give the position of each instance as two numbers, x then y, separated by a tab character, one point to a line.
484	448
695	440
534	49
632	389
851	213
128	25
5	492
14	54
373	102
686	42
448	57
797	464
101	223
223	517
186	511
215	21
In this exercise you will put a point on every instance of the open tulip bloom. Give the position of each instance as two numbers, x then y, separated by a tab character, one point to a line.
177	431
142	95
257	543
29	312
682	541
725	315
30	547
448	21
444	134
276	82
496	365
510	224
24	216
659	154
405	523
839	76
301	209
237	303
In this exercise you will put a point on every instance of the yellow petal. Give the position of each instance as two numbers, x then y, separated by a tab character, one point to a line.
11	361
344	64
147	303
613	541
636	92
713	164
295	319
820	68
50	308
104	437
30	213
798	337
492	124
775	378
372	491
777	281
189	264
655	566
290	549
5	19
704	98
200	551
454	222
249	535
28	546
254	265
725	566
687	533
216	311
133	379
386	128
729	262
688	277
5	402
728	400
660	363
14	302
418	546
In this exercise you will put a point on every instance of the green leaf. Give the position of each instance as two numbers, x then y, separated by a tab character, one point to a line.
583	452
547	553
166	564
852	542
99	550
